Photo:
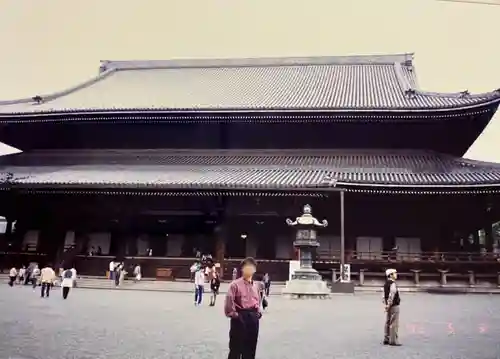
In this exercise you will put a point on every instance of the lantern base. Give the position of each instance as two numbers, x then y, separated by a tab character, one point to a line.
299	288
307	274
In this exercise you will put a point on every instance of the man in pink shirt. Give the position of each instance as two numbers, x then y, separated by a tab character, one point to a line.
243	307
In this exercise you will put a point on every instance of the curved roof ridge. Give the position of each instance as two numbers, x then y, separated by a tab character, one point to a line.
463	94
403	81
57	94
256	62
409	89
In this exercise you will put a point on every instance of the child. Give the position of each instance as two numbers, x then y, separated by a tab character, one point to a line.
214	286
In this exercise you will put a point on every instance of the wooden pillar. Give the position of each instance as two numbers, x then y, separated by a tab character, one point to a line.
488	230
118	243
113	243
132	244
8	230
50	242
488	237
220	233
120	231
82	239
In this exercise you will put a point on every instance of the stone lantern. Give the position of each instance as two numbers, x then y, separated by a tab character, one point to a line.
306	282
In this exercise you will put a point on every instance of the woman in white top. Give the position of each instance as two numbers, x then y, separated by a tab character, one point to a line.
68	279
137	273
22	274
122	274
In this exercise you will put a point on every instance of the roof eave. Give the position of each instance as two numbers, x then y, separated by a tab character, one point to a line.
145	189
494	100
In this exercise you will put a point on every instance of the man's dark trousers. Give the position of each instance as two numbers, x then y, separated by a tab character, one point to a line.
45	289
65	292
243	335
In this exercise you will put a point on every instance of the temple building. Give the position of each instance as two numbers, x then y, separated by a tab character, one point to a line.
161	158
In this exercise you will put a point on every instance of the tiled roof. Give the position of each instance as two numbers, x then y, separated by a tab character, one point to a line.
243	169
314	83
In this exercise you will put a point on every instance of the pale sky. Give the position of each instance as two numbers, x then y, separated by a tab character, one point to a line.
50	45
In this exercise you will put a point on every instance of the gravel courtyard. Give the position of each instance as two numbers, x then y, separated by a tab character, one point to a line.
130	324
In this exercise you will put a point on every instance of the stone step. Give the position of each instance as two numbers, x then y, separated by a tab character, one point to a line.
156	286
276	289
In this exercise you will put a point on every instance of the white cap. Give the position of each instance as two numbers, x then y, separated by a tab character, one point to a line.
388	272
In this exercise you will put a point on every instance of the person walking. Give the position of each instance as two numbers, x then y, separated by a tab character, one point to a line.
199	285
214	286
22	274
123	273
12	276
117	273
261	287
68	279
242	306
267	284
391	302
35	276
137	273
47	277
29	272
73	270
112	267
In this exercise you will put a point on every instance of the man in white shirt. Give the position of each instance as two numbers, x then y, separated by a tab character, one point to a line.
47	277
112	267
35	274
12	276
199	286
